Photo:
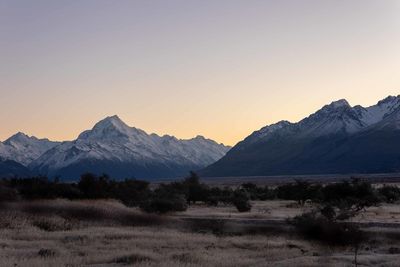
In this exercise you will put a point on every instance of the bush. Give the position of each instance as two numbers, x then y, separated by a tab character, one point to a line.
41	188
319	228
349	197
300	191
94	187
131	192
258	193
390	194
164	205
212	201
163	200
195	191
241	201
8	194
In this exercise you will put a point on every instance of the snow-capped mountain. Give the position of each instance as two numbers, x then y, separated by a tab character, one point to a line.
121	151
24	149
328	141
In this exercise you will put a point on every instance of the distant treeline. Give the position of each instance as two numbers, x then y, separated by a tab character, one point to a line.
176	196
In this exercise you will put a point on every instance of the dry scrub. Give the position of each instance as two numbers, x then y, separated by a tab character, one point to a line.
106	233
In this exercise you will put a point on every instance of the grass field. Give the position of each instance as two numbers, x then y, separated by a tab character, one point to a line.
106	233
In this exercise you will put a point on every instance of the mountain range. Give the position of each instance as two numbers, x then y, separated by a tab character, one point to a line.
111	147
337	139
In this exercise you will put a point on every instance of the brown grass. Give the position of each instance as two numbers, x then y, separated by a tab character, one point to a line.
106	233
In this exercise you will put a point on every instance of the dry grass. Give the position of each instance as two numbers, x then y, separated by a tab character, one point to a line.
58	215
282	209
106	233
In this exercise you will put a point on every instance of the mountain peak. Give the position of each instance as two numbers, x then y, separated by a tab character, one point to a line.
111	122
339	103
19	137
113	119
109	128
389	99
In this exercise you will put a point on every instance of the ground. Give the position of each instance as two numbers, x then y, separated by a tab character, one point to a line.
106	233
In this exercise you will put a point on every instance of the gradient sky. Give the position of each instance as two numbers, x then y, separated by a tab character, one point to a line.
219	68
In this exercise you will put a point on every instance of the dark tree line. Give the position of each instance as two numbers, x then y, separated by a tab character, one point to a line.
337	201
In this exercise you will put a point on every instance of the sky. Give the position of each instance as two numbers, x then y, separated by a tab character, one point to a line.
218	68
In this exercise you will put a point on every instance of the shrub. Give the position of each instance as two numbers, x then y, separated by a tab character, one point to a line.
258	193
390	193
45	253
195	191
349	198
319	228
131	192
132	259
163	203
212	201
300	191
8	194
241	201
94	187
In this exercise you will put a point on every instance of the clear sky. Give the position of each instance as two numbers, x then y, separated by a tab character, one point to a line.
219	68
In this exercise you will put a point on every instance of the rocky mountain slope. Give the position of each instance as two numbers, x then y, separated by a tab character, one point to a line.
121	151
337	138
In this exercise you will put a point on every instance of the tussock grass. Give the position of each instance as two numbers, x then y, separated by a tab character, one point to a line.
64	215
106	233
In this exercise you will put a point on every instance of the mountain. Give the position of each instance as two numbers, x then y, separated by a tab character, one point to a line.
10	168
24	149
338	138
121	151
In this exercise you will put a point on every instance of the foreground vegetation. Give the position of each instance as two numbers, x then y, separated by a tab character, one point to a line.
187	223
107	233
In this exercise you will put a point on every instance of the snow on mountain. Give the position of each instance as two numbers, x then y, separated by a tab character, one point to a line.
390	121
112	141
336	118
376	113
338	138
24	149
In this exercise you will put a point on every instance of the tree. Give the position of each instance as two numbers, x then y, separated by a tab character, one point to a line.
241	201
300	190
195	191
390	193
163	200
93	186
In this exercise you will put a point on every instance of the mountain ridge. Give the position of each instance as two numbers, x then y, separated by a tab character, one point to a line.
327	141
122	151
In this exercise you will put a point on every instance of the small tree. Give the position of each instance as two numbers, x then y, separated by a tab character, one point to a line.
195	191
241	201
163	204
94	187
163	200
300	190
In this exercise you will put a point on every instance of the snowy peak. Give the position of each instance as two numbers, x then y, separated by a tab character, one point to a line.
338	138
378	112
19	138
111	128
390	122
338	117
111	143
111	122
390	100
341	103
24	149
